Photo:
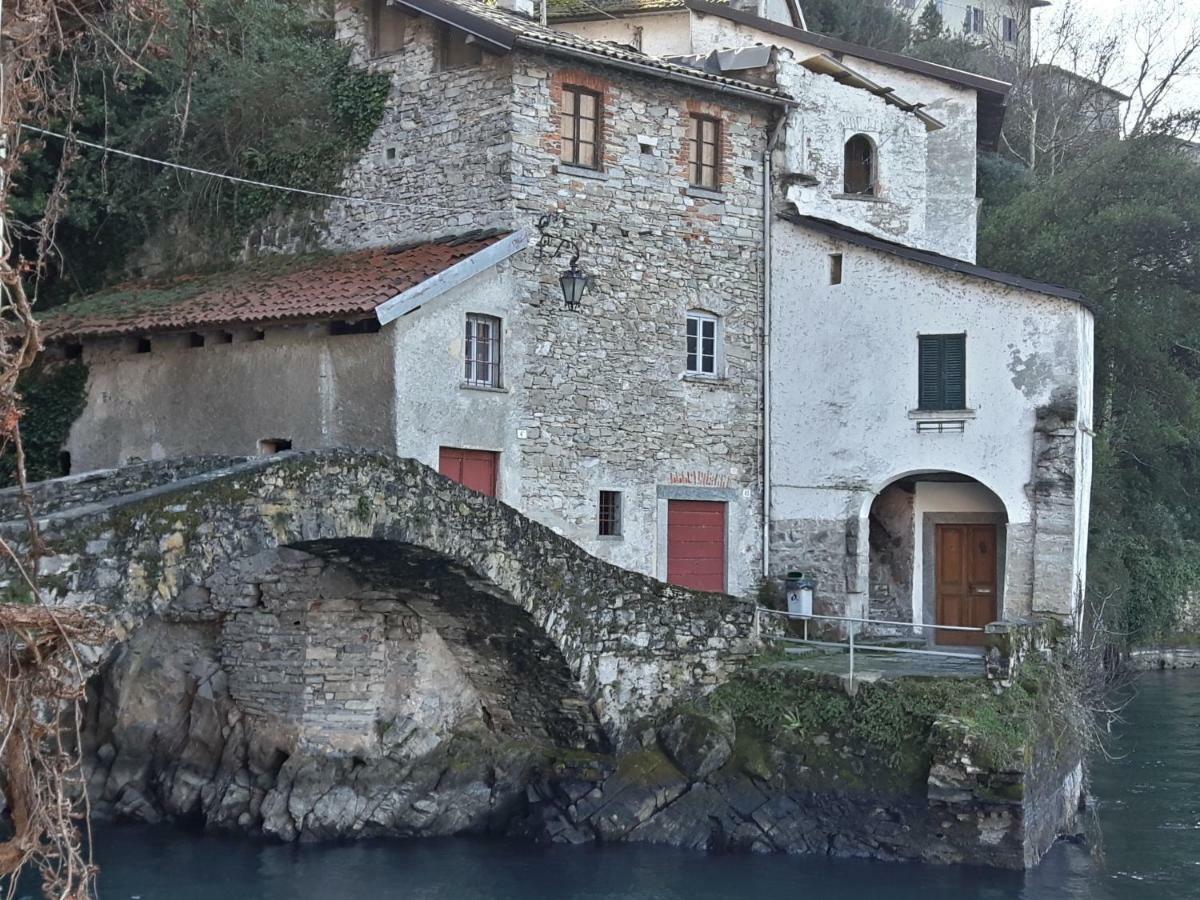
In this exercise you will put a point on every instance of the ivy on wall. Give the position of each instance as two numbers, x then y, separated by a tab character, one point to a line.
54	395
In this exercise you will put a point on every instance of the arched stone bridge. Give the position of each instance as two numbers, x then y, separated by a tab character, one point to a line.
547	631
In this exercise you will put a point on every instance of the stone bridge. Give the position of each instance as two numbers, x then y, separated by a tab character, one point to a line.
334	581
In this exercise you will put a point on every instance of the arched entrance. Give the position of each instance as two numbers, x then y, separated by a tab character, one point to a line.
936	553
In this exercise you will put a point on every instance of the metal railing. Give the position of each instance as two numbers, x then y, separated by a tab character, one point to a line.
851	645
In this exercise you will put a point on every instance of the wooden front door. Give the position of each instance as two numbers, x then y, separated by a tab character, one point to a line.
696	544
475	469
966	580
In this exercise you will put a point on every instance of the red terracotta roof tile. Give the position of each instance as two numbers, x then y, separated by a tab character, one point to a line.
275	289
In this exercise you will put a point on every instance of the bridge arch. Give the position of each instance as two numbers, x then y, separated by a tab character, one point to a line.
632	644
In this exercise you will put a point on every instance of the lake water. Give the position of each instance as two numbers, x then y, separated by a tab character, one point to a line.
1148	803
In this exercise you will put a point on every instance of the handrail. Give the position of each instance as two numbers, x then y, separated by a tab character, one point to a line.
783	613
759	610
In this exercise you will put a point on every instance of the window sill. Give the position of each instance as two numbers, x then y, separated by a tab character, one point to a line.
467	386
581	172
860	198
704	193
610	538
700	378
941	415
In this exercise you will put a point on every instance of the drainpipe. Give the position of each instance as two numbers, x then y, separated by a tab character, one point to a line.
766	368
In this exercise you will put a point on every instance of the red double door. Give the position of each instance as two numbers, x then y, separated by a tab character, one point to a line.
696	544
475	469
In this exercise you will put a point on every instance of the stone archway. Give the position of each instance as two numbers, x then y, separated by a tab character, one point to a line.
905	521
356	670
133	542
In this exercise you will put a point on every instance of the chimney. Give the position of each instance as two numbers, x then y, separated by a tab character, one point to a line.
525	8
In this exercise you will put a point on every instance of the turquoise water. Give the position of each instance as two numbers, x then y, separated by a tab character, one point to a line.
1148	804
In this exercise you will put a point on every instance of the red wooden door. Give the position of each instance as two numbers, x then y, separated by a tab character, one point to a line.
696	544
966	580
475	469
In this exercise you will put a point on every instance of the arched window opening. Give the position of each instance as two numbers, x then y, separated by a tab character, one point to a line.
860	166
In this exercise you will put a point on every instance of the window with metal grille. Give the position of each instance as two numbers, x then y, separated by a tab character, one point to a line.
942	371
387	28
703	343
483	351
610	514
704	146
860	166
580	127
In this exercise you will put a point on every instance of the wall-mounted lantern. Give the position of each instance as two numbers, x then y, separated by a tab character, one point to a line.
574	282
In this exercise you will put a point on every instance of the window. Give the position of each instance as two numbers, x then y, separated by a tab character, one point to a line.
974	21
702	343
1010	29
269	446
942	371
483	351
196	339
835	268
580	127
142	345
459	49
610	514
860	166
704	143
387	28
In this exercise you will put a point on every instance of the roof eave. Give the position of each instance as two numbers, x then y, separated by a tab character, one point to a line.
906	63
935	260
722	85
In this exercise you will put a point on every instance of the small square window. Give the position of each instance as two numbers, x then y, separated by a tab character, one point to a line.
482	351
610	514
269	446
703	343
835	268
142	346
704	152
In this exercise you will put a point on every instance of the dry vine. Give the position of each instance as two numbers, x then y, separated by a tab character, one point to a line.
41	673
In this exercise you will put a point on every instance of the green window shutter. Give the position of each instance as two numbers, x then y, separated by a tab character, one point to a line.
954	371
930	372
942	371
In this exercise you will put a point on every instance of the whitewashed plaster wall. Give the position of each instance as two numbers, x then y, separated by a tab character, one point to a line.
434	407
656	34
827	115
297	383
844	395
939	166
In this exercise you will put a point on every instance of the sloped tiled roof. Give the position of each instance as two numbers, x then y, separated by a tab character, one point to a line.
570	9
275	289
502	30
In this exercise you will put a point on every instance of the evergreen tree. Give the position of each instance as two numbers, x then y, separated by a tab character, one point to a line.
1123	225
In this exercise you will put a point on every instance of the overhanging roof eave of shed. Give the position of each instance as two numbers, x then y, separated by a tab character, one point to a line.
935	260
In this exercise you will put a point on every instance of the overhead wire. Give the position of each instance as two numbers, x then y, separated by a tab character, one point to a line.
210	174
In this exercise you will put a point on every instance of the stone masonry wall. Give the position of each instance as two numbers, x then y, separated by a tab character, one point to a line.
608	397
439	163
632	644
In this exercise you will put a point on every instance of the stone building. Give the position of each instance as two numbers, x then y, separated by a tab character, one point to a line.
786	360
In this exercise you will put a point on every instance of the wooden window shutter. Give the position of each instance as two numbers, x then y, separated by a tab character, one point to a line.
942	371
954	371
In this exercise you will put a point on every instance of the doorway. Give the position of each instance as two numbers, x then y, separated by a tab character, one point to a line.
966	580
